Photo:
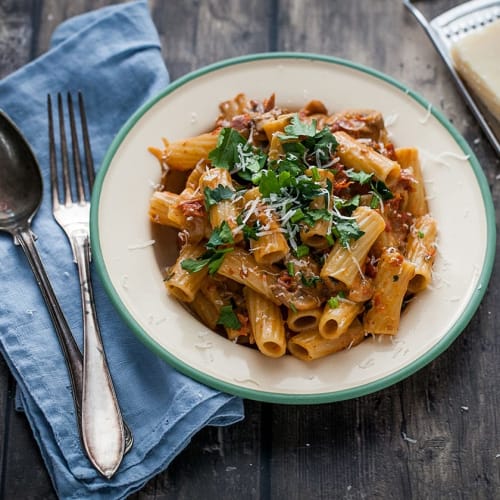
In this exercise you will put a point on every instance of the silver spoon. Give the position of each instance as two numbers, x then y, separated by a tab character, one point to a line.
21	193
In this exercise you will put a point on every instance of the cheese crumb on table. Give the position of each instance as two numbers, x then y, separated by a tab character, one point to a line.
477	59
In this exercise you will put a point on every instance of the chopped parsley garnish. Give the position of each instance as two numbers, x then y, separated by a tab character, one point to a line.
359	176
319	144
234	153
298	128
216	250
420	234
346	230
333	302
378	188
228	318
249	232
302	251
221	235
380	193
214	196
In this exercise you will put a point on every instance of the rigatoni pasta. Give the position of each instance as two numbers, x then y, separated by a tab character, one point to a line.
299	232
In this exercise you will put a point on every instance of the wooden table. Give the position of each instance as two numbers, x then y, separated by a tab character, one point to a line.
435	435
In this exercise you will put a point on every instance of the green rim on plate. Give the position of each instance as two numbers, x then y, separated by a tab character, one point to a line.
325	397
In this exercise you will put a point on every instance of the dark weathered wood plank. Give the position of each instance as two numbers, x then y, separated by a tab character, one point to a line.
15	35
195	33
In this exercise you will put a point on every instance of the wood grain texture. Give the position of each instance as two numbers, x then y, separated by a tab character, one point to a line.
432	436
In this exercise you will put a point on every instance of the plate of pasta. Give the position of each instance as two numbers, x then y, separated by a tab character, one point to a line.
288	230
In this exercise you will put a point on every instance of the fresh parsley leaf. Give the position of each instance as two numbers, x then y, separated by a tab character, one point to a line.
381	190
269	183
347	230
194	265
380	193
420	234
325	143
298	128
217	259
294	151
348	205
225	155
213	196
249	232
212	259
359	176
228	318
234	151
214	256
316	214
221	235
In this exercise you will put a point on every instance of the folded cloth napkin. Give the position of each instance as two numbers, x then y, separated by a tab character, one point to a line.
113	56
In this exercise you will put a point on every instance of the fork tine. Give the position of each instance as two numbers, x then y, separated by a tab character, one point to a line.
52	155
86	142
68	200
76	152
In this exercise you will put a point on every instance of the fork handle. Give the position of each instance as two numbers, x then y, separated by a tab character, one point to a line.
102	424
24	237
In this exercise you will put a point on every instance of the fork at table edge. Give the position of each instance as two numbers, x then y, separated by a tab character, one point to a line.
98	411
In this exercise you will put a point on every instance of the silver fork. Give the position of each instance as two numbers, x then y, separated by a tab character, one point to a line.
104	434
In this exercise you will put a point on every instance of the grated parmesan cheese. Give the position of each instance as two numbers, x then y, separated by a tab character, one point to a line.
139	246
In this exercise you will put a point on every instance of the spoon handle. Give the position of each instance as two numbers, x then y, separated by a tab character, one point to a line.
69	348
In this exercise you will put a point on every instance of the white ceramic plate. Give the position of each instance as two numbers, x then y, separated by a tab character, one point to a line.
131	269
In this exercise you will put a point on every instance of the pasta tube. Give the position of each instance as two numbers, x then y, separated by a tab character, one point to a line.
310	345
344	264
416	203
224	210
271	245
183	284
390	285
421	250
299	321
164	209
359	156
267	324
336	320
241	267
186	153
205	309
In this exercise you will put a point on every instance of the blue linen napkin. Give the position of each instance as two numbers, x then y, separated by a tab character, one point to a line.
113	56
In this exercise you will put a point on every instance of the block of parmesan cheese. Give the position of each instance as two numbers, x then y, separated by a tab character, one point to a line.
477	59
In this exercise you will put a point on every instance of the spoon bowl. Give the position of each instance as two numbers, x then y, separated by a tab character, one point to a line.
20	179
